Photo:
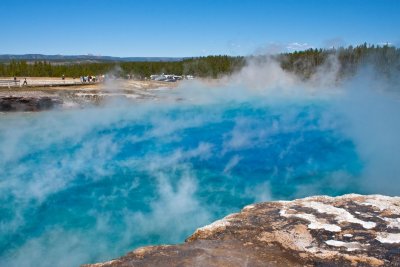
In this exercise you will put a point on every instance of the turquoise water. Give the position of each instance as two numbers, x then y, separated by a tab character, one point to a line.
89	185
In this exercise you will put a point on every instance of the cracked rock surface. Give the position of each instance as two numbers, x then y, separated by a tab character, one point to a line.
350	230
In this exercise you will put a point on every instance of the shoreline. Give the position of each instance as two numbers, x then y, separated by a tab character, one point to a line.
38	97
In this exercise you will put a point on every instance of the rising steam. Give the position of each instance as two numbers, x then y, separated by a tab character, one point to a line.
154	170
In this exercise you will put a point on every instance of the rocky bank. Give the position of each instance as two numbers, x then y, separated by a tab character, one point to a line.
22	103
350	230
38	98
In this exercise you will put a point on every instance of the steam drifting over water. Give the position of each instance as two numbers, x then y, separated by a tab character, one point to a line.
88	185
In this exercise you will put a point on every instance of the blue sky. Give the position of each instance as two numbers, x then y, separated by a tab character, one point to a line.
192	27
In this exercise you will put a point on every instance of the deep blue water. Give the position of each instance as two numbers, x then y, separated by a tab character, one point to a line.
89	185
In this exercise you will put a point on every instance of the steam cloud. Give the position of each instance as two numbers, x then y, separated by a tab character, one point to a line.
50	158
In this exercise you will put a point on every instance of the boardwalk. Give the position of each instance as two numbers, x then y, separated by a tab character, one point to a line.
41	82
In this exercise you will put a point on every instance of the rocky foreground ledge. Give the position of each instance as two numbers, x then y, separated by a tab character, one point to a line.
351	230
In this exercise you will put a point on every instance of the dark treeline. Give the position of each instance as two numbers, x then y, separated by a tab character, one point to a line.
385	59
47	69
211	66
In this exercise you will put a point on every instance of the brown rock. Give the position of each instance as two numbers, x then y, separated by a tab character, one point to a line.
350	230
20	103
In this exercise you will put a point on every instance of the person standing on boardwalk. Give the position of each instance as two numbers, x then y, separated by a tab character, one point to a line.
25	82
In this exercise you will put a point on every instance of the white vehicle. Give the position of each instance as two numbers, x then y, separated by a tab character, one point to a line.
158	77
166	77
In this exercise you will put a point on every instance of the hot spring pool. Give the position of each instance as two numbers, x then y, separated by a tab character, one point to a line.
89	185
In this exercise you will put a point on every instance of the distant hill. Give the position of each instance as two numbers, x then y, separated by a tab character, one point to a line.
84	58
